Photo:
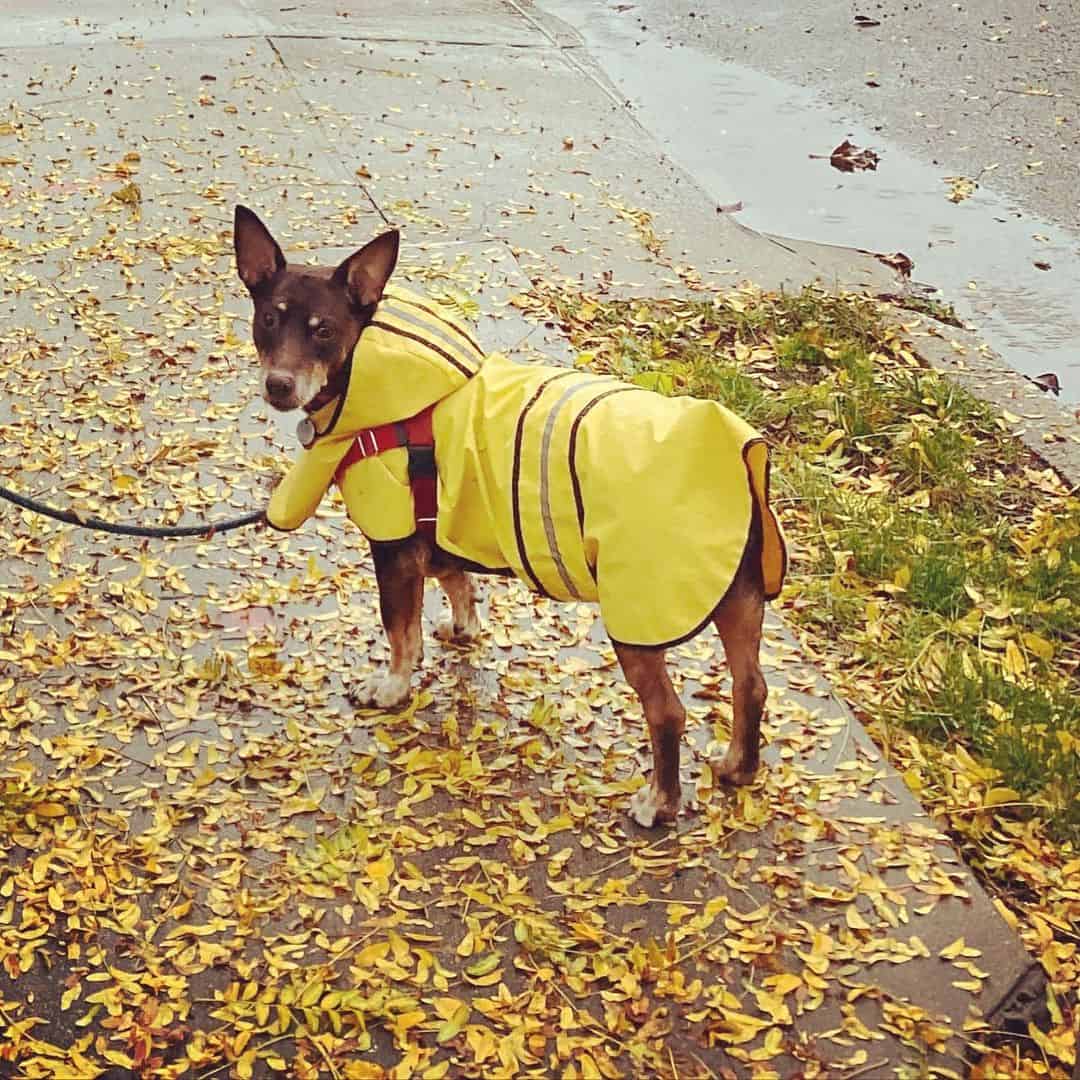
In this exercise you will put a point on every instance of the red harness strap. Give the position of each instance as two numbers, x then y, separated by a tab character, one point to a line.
417	436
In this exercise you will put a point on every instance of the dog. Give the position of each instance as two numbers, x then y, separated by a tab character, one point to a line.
453	462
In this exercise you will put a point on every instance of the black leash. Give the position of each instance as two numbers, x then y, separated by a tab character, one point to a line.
73	518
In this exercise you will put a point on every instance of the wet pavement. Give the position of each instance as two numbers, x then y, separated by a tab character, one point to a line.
212	859
1006	268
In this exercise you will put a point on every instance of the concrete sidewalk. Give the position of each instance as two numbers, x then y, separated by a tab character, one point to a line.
212	861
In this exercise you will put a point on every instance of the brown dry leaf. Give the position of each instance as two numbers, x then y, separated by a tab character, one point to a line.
901	263
847	157
1048	381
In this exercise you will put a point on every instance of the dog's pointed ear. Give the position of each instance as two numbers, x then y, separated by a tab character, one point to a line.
258	257
366	272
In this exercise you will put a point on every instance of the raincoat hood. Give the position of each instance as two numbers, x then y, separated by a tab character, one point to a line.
412	354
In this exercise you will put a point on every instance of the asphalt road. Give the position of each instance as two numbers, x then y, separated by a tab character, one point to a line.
979	102
963	85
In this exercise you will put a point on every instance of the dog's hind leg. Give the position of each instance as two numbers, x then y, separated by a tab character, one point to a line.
399	571
646	672
464	623
738	619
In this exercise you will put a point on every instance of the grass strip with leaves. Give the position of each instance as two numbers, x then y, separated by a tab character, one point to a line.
935	573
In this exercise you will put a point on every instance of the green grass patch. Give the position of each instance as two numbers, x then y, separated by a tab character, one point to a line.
928	543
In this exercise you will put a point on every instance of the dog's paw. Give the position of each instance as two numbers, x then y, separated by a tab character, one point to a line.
733	770
649	809
458	635
381	691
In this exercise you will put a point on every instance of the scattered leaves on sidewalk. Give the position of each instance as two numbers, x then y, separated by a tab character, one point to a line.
211	865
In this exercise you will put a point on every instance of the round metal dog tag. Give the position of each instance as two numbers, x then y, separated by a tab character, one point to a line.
305	432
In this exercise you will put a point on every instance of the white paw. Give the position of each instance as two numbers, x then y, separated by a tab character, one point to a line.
381	691
446	631
643	807
648	809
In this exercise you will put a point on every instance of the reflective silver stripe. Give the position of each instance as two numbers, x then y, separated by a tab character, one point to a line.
545	485
466	354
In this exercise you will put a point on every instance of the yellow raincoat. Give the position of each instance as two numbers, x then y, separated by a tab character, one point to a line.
585	487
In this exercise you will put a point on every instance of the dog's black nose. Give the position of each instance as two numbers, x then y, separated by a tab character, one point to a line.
279	387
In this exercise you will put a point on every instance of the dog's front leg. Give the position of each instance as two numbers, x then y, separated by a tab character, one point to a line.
463	624
399	572
646	671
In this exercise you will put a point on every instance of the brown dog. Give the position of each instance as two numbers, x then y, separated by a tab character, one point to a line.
307	323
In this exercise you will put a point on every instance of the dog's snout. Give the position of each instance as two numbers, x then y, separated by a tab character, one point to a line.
279	387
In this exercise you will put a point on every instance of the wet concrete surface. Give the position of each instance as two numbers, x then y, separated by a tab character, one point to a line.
184	703
962	86
1005	268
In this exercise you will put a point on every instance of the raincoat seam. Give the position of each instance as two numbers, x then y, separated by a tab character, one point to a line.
571	453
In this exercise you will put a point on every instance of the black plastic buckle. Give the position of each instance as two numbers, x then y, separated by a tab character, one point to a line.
421	461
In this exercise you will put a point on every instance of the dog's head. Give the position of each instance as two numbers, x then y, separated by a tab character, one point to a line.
307	319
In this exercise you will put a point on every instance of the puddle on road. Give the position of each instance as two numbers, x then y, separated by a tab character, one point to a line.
746	137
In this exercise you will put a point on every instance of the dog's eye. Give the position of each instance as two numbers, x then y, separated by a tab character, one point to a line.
324	332
269	318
